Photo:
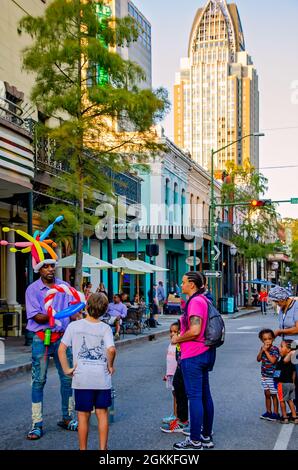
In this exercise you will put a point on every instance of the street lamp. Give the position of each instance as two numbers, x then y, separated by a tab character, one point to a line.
233	253
213	201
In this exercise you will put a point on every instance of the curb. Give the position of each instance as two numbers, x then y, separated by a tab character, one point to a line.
244	314
26	367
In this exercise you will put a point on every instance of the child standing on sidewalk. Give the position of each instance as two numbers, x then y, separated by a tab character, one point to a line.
284	377
179	421
268	357
170	370
93	355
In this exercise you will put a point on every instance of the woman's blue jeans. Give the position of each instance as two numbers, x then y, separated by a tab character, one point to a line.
196	380
40	364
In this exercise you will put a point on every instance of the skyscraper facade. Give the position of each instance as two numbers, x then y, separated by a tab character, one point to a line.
216	96
139	51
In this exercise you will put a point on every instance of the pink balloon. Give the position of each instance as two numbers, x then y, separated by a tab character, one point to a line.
35	254
23	244
3	242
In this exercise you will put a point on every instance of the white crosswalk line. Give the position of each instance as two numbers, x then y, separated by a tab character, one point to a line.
248	328
284	437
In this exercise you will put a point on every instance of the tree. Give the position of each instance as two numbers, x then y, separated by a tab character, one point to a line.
89	89
256	234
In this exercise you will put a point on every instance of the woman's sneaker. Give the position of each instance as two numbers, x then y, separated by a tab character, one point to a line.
174	426
186	431
188	444
168	419
207	442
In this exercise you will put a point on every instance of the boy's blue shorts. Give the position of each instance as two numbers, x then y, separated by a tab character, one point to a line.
86	400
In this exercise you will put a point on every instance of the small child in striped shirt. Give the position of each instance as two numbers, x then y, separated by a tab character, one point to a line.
268	356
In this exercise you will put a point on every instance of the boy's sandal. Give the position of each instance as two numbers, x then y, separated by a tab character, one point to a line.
284	420
71	425
35	433
295	420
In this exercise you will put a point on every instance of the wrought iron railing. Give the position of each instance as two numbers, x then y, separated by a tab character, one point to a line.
125	185
15	114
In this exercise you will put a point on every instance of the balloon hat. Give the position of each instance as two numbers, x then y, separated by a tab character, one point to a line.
38	245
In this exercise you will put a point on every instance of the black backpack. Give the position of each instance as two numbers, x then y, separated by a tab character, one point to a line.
214	333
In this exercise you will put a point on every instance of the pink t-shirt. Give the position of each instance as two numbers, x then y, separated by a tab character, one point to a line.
197	307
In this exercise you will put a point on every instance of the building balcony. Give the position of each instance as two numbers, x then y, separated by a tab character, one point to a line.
16	151
127	186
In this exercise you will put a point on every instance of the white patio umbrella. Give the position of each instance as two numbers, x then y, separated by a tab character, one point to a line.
88	262
152	267
125	266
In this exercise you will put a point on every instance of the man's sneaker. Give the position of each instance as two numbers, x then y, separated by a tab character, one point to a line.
207	442
174	426
188	444
168	419
267	416
186	431
275	417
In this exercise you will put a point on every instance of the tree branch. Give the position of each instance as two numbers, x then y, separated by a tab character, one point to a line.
65	74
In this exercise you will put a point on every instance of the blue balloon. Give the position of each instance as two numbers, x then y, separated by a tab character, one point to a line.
71	310
48	230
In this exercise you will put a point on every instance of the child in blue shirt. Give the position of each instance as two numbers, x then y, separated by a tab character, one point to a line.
268	356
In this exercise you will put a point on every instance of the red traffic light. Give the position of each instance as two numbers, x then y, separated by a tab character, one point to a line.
260	203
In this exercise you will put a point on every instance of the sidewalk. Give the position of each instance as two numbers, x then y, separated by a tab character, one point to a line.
244	312
18	356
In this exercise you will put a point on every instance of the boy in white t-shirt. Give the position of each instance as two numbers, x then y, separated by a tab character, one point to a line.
93	356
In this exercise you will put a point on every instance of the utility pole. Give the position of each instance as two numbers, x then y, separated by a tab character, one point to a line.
213	204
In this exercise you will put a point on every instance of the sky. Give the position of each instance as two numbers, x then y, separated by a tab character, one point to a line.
271	36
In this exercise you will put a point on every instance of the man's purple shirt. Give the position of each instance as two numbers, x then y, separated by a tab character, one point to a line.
117	310
35	295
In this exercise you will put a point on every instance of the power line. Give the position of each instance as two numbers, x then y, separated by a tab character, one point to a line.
277	167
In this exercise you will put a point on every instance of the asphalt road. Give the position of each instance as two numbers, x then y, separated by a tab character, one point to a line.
142	400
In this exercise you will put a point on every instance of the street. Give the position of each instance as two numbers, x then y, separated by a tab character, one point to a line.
142	400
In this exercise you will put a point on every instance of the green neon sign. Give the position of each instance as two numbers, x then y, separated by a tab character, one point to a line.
103	12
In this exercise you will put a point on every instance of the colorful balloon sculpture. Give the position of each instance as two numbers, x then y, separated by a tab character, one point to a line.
76	306
38	245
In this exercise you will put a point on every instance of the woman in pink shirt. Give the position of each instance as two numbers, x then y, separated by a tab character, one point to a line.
197	360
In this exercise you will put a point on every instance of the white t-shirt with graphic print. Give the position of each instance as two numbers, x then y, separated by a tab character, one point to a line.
89	342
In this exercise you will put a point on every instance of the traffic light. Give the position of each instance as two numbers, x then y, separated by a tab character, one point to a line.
260	203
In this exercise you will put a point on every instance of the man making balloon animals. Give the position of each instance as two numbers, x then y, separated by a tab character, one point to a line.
50	305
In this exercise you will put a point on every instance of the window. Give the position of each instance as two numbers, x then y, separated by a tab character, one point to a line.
176	202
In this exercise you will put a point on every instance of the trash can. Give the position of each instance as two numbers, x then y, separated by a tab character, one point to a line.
230	305
223	305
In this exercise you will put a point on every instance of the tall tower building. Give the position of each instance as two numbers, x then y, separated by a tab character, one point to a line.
216	97
140	51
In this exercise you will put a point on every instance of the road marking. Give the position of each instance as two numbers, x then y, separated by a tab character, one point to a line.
248	328
284	437
240	332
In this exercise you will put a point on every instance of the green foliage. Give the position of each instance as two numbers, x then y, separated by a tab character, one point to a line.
70	43
244	184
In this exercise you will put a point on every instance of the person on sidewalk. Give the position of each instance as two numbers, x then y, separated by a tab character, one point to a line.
38	322
197	360
288	320
264	301
268	356
115	314
93	355
160	293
